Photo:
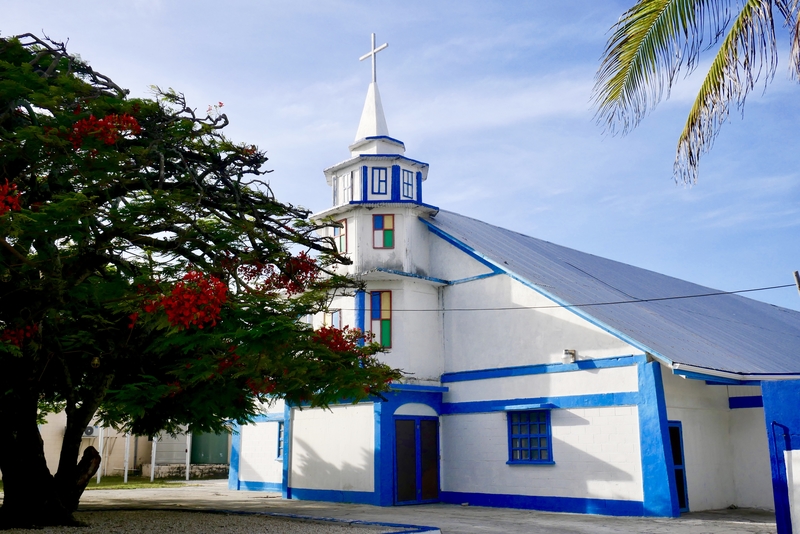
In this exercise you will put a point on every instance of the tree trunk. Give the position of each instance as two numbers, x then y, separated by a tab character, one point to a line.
31	495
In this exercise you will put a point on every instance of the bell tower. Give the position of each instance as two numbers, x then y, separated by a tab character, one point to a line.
378	170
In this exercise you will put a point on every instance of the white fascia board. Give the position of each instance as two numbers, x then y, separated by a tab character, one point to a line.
728	375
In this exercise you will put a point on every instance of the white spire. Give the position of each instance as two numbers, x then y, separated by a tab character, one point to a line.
373	121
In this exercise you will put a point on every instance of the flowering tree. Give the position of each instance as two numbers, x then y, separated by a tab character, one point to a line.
147	275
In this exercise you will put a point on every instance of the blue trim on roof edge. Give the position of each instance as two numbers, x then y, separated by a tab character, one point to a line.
389	201
435	230
577	311
398	156
412	275
374	137
544	368
574	505
717	382
473	278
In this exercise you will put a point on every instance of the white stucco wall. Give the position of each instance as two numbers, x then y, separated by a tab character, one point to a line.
596	453
792	462
258	461
584	382
726	451
333	449
751	469
500	338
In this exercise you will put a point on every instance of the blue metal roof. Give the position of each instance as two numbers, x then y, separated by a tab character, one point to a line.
727	333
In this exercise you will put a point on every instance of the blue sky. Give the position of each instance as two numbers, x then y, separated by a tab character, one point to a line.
494	95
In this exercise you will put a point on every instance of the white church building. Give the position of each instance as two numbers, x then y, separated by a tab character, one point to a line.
537	376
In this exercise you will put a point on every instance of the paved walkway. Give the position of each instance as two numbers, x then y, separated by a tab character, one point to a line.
451	519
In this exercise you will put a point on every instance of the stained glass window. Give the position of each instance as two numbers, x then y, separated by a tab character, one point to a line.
383	231
381	316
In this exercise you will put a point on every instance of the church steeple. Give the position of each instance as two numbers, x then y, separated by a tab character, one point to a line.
378	172
373	121
372	136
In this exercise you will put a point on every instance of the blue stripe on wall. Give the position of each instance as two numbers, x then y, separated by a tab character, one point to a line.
364	183
287	451
549	504
419	187
260	486
660	493
236	447
361	305
571	401
754	401
356	497
395	182
502	372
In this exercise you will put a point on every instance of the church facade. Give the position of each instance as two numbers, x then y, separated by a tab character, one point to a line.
537	376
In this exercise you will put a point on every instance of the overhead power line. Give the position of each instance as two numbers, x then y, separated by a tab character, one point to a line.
591	304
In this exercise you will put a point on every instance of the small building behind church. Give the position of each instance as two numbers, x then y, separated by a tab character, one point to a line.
537	377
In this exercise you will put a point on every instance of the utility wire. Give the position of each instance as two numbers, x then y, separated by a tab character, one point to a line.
610	303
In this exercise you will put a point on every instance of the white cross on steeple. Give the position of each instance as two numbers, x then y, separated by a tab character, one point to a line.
372	53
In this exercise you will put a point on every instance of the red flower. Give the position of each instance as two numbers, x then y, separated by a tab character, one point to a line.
339	340
9	198
195	300
17	336
108	129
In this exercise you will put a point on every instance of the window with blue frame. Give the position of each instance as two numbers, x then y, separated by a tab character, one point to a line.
529	437
379	180
408	184
280	439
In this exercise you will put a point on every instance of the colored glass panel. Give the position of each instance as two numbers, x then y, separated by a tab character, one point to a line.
383	231
375	305
386	305
386	333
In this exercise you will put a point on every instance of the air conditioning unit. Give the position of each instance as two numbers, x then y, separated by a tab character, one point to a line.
91	432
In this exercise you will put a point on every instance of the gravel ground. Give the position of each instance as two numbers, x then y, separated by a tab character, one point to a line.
143	521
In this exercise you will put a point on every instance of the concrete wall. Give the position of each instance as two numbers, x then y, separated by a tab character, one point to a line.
258	460
584	382
113	447
596	454
333	449
502	338
726	451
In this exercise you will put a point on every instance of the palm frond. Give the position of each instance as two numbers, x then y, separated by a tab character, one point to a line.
789	9
748	50
648	46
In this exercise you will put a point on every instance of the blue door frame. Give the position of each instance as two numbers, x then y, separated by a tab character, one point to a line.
679	462
419	457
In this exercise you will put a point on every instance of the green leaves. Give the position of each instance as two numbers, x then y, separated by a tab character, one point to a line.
120	199
655	39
